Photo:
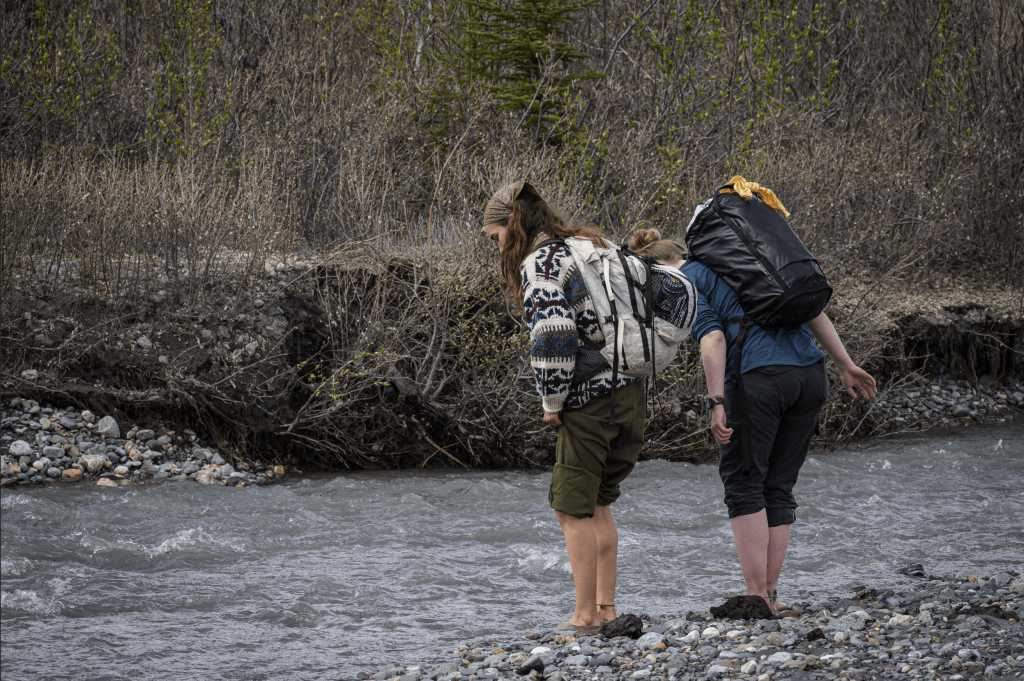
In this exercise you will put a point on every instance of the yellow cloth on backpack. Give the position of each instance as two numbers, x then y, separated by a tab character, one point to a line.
746	190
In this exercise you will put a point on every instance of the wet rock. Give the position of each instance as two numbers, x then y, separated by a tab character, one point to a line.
53	472
144	343
106	482
107	427
71	475
850	622
915	570
649	640
121	471
205	477
20	448
743	607
534	663
93	463
623	625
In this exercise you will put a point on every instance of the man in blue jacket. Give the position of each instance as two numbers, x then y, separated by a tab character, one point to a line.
786	385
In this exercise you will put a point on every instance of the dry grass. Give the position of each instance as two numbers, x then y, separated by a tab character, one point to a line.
333	149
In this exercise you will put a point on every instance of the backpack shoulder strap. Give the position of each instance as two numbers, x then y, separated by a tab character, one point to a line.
549	242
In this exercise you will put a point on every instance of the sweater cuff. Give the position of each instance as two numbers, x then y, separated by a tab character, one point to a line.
554	403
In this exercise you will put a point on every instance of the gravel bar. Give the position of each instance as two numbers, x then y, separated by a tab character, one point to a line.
45	445
949	629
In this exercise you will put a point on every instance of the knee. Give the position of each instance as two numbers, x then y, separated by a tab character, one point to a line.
566	520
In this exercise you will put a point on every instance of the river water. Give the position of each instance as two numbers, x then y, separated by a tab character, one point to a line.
325	576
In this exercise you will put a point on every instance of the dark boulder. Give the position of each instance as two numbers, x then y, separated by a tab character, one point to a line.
623	625
534	663
743	608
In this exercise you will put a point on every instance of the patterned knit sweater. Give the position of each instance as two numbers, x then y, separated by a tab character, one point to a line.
559	312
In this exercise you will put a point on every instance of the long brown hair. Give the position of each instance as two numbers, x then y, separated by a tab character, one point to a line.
532	216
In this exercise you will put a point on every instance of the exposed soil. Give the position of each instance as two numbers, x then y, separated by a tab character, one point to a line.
241	367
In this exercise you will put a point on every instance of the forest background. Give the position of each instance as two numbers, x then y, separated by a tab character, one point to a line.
158	157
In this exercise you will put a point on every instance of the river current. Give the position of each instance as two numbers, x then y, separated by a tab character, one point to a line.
328	575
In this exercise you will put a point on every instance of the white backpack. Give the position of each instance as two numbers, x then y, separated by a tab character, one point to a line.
637	343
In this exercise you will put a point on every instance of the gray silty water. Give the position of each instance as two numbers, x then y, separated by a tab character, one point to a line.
320	578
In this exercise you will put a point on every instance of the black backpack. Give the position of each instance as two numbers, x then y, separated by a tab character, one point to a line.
776	279
755	251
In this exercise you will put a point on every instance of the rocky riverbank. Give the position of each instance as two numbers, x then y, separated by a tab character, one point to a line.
948	628
44	444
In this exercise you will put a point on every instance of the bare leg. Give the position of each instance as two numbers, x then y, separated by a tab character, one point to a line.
607	556
581	544
778	542
750	533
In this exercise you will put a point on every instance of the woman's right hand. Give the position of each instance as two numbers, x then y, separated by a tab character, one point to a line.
718	429
856	379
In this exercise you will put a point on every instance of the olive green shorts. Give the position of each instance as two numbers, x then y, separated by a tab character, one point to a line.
593	456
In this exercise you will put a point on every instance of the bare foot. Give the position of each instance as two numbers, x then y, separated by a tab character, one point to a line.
583	624
606	613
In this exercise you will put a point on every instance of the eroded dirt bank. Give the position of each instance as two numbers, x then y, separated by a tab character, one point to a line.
384	366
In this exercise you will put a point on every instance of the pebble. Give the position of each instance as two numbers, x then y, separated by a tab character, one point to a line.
144	343
91	462
108	428
30	374
20	448
879	643
106	482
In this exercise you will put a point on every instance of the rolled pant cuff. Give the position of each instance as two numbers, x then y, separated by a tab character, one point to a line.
736	509
781	516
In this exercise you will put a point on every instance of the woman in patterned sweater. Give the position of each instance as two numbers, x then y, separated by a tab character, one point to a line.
592	455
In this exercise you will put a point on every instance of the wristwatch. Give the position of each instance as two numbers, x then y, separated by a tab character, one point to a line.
711	401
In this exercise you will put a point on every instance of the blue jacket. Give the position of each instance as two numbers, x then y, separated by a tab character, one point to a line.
716	303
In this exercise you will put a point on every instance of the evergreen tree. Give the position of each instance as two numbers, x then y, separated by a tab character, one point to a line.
518	51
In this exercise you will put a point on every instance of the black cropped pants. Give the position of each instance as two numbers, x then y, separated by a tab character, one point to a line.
782	407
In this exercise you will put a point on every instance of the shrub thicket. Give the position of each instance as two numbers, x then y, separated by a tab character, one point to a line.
164	144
